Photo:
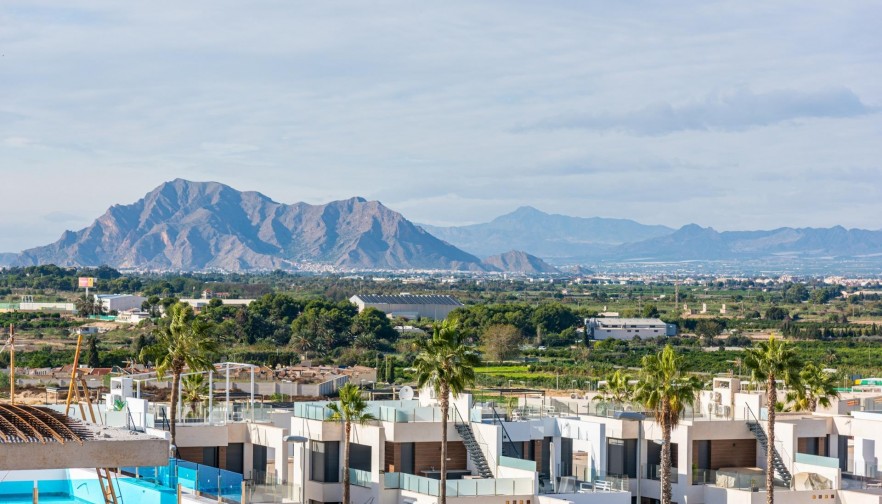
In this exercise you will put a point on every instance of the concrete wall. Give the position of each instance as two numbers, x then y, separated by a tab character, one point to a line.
141	450
587	498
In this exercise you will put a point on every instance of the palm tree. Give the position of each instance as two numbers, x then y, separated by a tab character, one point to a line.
195	388
446	364
182	343
617	390
666	390
818	387
87	305
770	361
352	408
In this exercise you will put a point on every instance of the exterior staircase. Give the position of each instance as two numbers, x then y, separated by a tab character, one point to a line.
757	428
474	449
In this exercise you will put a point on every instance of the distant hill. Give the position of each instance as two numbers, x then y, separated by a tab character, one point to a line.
693	242
183	225
549	236
515	261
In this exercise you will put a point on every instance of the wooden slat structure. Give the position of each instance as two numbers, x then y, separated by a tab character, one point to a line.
31	424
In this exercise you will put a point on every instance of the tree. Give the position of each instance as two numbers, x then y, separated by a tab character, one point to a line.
777	313
708	330
195	388
390	369
94	360
617	389
770	361
372	321
649	311
447	365
818	387
88	305
553	317
666	390
181	343
501	342
352	408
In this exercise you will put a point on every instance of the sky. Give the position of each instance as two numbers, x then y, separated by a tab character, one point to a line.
735	115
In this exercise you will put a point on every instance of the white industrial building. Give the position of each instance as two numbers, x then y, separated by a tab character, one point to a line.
199	303
408	306
119	302
627	328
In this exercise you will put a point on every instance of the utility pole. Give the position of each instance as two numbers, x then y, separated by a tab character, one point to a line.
676	297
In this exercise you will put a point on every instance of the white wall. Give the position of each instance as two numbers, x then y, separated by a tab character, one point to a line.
490	438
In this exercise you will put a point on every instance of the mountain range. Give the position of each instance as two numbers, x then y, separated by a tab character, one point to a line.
550	236
185	226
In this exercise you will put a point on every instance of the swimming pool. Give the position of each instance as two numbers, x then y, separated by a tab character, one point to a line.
83	490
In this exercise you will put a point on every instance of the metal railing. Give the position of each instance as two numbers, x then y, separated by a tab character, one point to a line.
479	438
506	438
459	488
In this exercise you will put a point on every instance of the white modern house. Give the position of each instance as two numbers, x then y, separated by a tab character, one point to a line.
541	450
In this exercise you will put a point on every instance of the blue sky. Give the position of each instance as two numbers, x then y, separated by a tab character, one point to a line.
736	115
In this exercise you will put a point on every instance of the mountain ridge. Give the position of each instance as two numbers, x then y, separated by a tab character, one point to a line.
186	225
516	261
550	236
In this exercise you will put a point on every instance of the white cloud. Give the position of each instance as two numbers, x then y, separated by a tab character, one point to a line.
416	104
17	141
733	110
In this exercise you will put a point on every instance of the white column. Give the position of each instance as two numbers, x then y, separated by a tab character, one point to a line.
864	456
180	404
210	394
252	394
227	405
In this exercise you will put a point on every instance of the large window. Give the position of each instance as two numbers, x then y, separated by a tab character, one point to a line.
324	461
360	457
621	457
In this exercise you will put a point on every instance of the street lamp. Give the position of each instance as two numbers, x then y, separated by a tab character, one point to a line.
302	442
635	416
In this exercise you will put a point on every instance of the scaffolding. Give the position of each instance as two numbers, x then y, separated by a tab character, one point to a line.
77	380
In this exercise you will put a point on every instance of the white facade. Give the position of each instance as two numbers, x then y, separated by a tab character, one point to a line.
200	303
555	450
627	328
133	316
119	302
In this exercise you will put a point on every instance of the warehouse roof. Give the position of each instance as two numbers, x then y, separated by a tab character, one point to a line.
408	299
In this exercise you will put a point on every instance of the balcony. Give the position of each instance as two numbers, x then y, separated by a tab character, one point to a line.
360	478
653	472
396	412
459	488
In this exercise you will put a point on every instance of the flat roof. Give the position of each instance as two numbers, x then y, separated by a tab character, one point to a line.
633	321
427	299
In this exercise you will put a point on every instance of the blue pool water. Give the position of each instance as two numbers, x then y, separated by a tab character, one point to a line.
85	492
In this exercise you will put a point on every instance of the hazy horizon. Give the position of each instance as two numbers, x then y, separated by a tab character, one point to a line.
732	116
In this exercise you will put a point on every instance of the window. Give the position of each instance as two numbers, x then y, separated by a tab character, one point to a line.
324	461
621	457
360	457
